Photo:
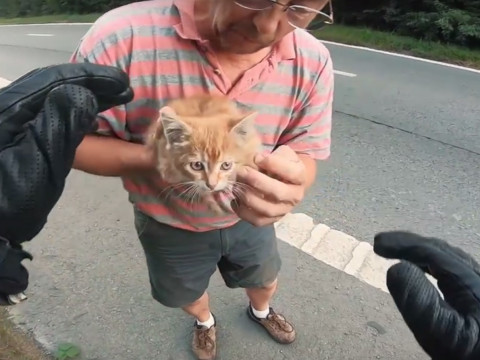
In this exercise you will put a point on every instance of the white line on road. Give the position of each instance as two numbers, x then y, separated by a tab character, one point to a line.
344	73
46	35
337	249
324	41
331	247
48	24
3	82
458	67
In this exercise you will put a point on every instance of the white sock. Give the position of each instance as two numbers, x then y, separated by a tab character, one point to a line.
209	323
261	314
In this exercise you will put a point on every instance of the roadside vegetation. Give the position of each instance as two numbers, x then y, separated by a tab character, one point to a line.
442	30
346	34
15	345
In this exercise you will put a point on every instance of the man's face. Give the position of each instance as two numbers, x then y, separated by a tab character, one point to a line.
243	31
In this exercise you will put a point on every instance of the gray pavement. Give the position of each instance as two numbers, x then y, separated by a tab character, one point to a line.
406	144
89	286
406	139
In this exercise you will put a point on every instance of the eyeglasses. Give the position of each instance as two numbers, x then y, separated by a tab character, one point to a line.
300	17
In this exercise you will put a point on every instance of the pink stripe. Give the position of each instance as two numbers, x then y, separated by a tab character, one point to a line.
315	142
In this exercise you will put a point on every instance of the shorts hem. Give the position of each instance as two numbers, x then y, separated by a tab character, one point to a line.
250	284
173	304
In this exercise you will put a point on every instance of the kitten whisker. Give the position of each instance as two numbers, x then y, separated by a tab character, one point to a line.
171	189
192	194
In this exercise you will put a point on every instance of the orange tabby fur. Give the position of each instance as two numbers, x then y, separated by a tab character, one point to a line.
201	141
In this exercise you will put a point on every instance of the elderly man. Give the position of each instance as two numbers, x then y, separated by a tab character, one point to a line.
257	53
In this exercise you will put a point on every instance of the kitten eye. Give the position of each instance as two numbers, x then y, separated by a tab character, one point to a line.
196	165
226	166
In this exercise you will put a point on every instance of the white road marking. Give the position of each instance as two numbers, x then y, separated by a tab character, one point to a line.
344	73
48	24
458	67
46	35
330	246
336	249
4	82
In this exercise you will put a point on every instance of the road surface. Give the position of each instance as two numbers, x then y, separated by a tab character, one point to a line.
406	146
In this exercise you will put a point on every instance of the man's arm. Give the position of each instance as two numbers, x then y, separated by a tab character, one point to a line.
309	131
107	156
110	152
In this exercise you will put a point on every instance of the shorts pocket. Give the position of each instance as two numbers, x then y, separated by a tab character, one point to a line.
141	222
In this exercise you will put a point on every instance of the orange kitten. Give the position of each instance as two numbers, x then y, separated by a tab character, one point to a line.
200	142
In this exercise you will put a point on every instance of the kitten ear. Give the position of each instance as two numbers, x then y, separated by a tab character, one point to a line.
175	130
245	126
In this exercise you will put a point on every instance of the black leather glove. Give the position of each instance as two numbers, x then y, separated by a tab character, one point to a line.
44	116
449	328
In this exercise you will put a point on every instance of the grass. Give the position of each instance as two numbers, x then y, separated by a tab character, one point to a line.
67	18
338	33
401	44
15	345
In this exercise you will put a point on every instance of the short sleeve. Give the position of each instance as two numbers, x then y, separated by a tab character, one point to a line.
309	131
105	47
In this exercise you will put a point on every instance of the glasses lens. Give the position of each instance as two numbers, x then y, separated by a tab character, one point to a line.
320	21
254	4
303	17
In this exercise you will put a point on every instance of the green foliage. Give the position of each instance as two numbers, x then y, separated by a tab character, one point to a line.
20	8
446	21
67	351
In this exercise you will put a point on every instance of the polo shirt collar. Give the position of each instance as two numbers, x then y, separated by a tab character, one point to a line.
187	29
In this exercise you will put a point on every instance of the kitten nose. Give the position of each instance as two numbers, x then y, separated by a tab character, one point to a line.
212	183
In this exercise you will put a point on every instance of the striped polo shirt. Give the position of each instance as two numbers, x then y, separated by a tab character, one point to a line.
157	44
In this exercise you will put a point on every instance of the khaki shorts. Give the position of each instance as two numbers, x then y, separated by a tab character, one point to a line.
180	262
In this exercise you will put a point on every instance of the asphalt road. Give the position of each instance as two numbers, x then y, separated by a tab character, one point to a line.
406	147
406	139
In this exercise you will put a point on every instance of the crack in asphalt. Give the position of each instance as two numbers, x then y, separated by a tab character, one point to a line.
407	132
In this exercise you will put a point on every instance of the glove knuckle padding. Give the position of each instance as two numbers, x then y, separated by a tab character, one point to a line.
24	98
34	167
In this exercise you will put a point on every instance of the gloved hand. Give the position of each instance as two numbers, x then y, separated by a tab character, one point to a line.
449	328
44	116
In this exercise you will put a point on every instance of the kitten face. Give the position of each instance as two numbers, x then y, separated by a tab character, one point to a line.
205	151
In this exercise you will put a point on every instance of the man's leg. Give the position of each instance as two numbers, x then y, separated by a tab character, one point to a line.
260	298
251	261
180	264
200	309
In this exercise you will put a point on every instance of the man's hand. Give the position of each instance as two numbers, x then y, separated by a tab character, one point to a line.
449	328
268	194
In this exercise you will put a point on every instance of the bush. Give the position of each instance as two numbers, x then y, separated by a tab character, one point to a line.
19	8
448	21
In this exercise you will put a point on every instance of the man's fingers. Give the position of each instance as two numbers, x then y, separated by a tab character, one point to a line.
261	206
271	188
436	325
253	217
287	168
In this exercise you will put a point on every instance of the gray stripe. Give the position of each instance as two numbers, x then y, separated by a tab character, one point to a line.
171	79
150	199
129	33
